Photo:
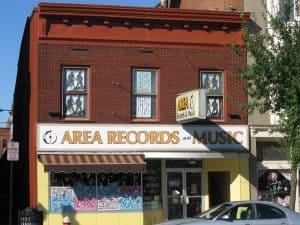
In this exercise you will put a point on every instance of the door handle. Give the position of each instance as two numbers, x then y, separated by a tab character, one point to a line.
187	200
181	199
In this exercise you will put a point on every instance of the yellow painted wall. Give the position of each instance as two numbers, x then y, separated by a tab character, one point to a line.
154	217
116	218
239	177
239	190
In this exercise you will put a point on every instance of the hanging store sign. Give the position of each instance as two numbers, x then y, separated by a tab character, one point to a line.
191	106
126	137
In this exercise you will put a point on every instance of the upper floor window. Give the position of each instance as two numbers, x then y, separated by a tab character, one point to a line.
144	94
212	81
74	92
287	9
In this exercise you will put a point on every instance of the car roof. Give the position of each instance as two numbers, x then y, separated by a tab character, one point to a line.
251	201
284	208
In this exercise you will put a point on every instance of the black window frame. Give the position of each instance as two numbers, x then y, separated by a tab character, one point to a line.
268	207
78	95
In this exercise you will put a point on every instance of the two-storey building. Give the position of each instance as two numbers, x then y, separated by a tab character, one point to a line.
107	105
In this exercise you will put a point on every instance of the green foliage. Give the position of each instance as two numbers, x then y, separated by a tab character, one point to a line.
273	80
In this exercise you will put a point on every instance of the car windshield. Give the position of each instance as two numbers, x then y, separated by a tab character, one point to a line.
213	212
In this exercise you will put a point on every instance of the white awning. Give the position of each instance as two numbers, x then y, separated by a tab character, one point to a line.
194	155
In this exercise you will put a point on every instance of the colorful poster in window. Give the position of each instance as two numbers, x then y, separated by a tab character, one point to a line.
61	199
125	198
108	203
131	198
128	203
143	82
85	198
143	106
108	190
274	185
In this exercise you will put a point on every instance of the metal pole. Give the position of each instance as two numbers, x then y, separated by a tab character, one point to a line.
10	193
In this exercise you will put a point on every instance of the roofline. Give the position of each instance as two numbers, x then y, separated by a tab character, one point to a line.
144	13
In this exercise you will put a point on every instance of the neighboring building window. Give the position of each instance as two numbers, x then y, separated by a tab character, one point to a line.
144	94
75	92
152	188
213	83
274	186
91	192
288	9
270	151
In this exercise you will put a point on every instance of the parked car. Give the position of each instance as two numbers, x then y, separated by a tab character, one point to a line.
243	212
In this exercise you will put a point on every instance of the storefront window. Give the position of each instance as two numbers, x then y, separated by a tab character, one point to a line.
119	192
192	163
274	185
152	186
95	192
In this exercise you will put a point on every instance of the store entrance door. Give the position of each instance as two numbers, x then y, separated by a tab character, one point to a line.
218	187
184	193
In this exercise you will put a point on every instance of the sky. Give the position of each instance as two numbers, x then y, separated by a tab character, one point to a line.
12	21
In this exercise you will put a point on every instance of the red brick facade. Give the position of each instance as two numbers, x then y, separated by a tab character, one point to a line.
110	79
4	135
110	42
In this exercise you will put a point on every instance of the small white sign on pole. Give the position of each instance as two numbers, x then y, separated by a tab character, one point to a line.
13	151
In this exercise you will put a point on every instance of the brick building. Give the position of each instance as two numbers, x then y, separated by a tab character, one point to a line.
268	163
4	174
98	133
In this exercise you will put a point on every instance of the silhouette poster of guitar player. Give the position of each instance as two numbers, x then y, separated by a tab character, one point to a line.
213	107
212	83
75	105
75	80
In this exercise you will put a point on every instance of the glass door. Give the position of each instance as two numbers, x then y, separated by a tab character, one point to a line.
183	193
175	194
193	197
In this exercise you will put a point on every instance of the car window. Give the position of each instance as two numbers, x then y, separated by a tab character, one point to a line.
240	212
269	212
213	212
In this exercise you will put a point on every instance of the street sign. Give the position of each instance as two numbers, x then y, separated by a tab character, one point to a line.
13	151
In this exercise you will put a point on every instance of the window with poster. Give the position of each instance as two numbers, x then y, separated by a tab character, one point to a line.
274	185
212	81
91	192
74	92
144	94
152	198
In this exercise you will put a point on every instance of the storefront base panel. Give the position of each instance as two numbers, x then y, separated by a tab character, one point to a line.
97	218
153	217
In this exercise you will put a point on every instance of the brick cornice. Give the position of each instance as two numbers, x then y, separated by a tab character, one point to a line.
139	13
